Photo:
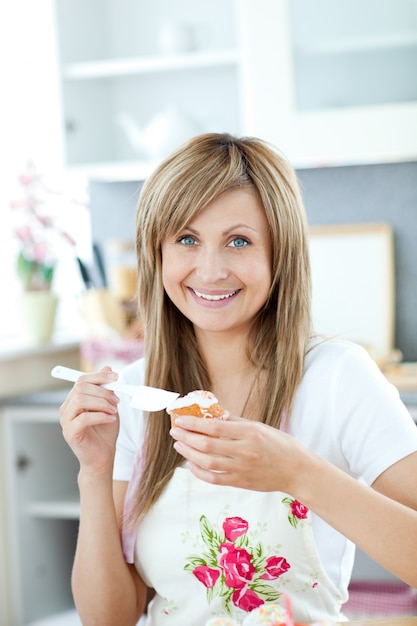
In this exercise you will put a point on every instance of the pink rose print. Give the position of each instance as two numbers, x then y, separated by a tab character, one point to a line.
234	527
236	564
246	599
275	567
233	568
298	509
206	575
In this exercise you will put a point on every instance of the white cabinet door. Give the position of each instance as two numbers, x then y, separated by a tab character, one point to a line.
332	81
41	511
140	77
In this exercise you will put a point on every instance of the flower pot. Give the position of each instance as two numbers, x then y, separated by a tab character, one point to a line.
38	313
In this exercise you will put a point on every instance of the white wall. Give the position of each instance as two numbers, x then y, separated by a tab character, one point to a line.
29	121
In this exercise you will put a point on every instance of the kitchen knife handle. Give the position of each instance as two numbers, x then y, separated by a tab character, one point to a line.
66	373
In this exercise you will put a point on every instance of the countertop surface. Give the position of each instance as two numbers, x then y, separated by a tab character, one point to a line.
41	398
15	348
26	368
403	376
25	372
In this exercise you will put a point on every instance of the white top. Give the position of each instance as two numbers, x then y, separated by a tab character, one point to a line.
345	411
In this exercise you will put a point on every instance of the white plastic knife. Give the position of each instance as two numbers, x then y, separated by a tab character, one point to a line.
143	397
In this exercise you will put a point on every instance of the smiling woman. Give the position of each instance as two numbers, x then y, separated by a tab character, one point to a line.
220	263
318	451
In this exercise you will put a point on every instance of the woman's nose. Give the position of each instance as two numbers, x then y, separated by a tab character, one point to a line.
210	266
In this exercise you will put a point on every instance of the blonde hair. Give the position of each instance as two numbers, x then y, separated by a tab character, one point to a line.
178	189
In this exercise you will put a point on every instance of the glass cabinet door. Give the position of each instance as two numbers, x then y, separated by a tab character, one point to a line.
332	81
349	53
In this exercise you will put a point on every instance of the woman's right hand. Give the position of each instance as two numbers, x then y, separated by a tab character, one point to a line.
90	422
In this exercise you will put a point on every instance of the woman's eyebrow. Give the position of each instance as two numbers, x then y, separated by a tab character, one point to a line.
237	226
225	232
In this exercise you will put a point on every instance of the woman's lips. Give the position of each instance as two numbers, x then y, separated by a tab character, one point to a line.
213	297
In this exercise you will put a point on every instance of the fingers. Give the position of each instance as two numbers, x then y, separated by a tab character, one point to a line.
89	420
239	452
105	375
89	404
212	427
87	392
88	397
216	445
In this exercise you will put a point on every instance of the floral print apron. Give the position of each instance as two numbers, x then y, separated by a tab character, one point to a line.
211	550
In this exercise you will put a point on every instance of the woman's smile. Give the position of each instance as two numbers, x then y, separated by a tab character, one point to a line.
213	298
217	270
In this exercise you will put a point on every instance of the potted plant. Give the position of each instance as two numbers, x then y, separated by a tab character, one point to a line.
38	235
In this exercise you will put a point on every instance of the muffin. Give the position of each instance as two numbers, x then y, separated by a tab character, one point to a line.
200	403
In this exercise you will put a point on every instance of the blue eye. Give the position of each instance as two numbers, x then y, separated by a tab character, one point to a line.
187	240
239	242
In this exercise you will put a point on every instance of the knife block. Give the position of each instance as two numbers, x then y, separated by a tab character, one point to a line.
103	313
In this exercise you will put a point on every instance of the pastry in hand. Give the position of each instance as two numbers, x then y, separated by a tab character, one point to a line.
200	403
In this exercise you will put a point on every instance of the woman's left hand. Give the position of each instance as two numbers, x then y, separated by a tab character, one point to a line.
250	455
239	452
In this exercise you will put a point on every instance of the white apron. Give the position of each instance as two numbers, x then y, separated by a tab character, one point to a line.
211	550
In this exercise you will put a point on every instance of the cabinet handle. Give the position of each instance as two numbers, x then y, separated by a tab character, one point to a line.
23	462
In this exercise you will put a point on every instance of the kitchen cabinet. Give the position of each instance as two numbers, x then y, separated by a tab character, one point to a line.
41	511
332	81
139	61
329	82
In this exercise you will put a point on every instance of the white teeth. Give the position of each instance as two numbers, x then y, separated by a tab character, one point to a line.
206	296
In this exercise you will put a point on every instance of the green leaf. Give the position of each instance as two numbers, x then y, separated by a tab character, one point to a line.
226	600
195	560
293	520
242	541
267	592
210	594
188	567
207	532
225	591
259	564
215	591
258	551
205	526
262	587
212	558
34	275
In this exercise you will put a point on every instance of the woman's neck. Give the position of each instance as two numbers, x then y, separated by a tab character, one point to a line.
233	376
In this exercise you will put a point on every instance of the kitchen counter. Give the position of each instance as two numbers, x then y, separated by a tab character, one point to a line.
26	368
38	399
403	376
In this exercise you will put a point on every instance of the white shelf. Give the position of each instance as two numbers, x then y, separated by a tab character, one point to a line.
116	172
111	68
367	44
112	61
56	509
138	171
